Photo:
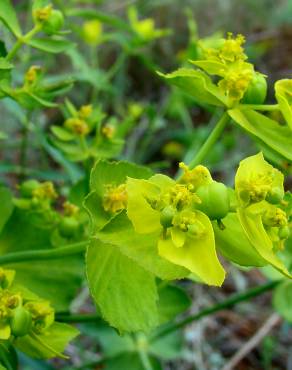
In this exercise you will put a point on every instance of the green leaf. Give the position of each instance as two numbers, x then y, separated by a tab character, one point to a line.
4	64
140	247
48	279
49	344
168	347
130	361
283	93
62	133
6	206
24	231
125	293
51	45
197	84
282	300
267	130
172	301
9	18
109	19
233	243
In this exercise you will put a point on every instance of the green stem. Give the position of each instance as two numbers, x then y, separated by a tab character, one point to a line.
24	146
23	40
263	107
209	143
44	254
145	360
234	299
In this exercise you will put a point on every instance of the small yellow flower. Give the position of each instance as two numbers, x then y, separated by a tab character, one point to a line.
115	198
232	49
77	126
236	81
32	74
42	313
45	190
85	111
43	14
70	209
275	217
108	131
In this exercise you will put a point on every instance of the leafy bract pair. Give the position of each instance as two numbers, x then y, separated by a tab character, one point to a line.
238	86
146	226
84	135
260	226
28	322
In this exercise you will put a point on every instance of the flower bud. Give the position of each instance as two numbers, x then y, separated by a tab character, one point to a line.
27	188
215	201
68	227
284	232
166	216
275	195
54	23
21	322
257	90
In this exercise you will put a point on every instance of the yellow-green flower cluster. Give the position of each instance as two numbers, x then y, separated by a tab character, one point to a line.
171	209
263	211
79	124
19	315
229	62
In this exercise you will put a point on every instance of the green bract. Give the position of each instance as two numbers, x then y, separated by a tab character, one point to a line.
108	196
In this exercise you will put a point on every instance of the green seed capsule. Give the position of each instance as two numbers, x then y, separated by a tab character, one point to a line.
68	227
54	23
27	187
166	216
275	196
215	200
284	232
20	322
257	90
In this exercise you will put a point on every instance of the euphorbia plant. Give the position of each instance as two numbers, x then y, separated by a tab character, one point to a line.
140	231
